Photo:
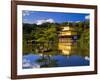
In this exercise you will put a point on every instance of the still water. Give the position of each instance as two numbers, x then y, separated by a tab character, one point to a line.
36	61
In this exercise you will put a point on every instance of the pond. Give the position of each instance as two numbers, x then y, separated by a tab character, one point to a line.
38	61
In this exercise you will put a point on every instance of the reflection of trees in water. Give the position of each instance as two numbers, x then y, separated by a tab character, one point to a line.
46	61
52	49
47	50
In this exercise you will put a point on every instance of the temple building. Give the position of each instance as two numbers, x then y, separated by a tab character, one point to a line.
68	40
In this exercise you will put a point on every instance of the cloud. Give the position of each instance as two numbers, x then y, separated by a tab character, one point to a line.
39	22
26	13
50	20
87	17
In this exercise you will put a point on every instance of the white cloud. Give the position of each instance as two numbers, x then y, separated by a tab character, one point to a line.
39	22
26	13
87	17
50	20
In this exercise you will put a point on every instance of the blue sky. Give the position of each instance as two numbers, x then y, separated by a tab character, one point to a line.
52	17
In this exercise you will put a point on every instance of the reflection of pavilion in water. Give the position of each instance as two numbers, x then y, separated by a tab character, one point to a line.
68	40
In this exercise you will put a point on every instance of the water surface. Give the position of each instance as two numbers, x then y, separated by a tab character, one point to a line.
36	61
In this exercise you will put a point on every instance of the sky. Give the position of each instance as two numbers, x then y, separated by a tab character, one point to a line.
38	17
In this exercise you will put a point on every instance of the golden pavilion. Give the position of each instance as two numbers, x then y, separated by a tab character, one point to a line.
68	40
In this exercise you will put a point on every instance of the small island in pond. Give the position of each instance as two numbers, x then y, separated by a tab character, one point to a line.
55	39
